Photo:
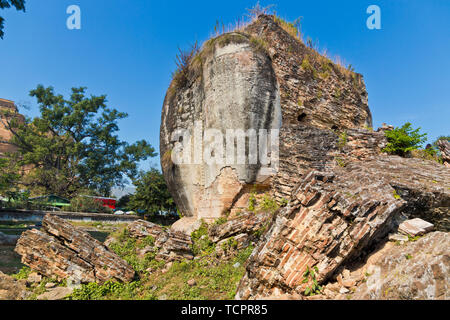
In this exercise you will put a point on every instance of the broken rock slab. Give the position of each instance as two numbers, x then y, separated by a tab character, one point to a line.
418	270
415	227
57	293
335	217
12	289
60	250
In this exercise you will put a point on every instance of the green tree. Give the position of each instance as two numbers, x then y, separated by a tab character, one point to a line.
151	194
8	175
4	4
73	145
404	139
124	202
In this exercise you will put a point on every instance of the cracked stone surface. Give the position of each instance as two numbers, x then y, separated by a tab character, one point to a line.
333	217
63	251
418	270
242	86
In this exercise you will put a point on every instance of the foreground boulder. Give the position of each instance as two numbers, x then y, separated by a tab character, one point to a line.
60	250
12	289
418	270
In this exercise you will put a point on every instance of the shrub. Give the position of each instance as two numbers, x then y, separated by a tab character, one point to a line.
268	204
343	139
403	140
310	276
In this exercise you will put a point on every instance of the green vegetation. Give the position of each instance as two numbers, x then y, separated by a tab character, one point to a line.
252	202
110	290
263	204
284	202
87	204
326	68
152	194
341	163
220	221
293	28
72	146
337	93
22	274
413	239
4	4
396	195
214	278
343	139
308	67
126	247
201	244
310	276
183	60
8	174
268	204
402	140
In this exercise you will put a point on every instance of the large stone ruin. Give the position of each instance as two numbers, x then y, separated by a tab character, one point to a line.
343	193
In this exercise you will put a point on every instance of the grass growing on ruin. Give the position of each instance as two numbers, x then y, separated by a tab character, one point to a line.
264	203
125	247
201	244
215	278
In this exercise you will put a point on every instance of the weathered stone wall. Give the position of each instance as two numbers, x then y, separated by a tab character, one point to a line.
344	193
235	89
262	78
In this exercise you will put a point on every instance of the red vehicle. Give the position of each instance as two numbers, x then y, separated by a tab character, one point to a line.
107	202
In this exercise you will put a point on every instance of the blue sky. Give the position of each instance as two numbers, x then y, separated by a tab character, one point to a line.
126	49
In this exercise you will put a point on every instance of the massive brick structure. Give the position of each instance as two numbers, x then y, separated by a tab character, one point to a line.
258	77
343	193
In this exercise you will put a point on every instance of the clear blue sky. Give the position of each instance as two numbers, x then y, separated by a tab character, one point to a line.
126	49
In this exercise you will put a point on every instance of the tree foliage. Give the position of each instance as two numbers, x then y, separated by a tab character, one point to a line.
8	175
151	194
73	145
4	4
403	139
